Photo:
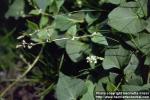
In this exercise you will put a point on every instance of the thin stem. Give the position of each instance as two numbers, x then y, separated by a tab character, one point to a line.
76	37
61	62
21	80
46	91
23	75
118	85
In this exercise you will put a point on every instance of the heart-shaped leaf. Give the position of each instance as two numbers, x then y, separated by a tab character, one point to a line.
126	20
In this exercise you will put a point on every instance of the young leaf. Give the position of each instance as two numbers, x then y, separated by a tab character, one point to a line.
35	12
32	25
90	18
43	21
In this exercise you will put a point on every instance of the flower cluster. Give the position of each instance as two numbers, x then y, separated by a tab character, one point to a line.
93	59
24	44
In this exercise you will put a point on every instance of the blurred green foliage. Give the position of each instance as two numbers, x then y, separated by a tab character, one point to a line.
88	46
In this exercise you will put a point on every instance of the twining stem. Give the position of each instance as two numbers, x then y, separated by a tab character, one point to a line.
23	75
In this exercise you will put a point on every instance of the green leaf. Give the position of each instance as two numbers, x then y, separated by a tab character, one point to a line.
139	7
130	4
69	88
72	31
55	6
142	10
62	42
131	88
35	12
16	9
99	86
77	17
130	76
148	25
136	87
43	21
110	87
133	79
125	20
69	34
42	4
147	61
116	1
142	42
44	35
115	58
104	80
89	95
32	25
90	18
113	1
63	22
112	77
75	49
132	66
99	39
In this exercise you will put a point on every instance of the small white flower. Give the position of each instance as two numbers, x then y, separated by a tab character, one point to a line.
40	10
37	31
47	40
92	59
32	44
24	43
29	46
